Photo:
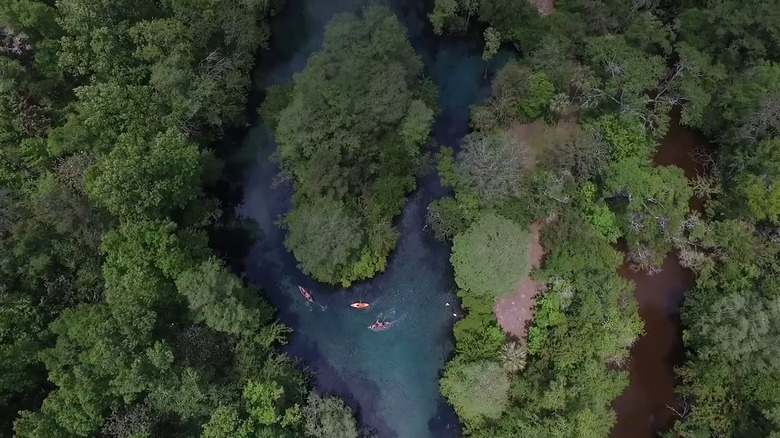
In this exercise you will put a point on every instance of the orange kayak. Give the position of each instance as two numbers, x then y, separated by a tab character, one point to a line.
360	305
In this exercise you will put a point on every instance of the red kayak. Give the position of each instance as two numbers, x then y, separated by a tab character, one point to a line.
378	326
306	294
360	305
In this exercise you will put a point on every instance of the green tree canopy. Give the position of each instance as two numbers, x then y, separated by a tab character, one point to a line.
328	418
350	137
323	237
491	256
140	179
477	390
219	299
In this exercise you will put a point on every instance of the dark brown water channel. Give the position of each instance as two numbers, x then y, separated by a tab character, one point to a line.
645	407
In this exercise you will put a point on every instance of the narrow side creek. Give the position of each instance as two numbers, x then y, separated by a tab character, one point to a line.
644	408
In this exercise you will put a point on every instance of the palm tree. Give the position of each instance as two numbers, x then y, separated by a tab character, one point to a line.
559	104
513	357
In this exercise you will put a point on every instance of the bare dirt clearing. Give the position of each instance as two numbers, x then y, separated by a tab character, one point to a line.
515	312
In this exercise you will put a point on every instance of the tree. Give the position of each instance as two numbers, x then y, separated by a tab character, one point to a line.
98	360
144	258
335	244
350	139
139	179
625	136
518	22
491	256
328	418
537	98
452	15
581	155
513	357
757	185
447	217
477	390
737	33
130	422
224	423
416	126
702	75
491	165
261	400
219	299
102	113
492	44
653	204
20	341
113	107
747	109
625	77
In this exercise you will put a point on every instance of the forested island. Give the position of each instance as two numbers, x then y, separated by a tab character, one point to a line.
127	310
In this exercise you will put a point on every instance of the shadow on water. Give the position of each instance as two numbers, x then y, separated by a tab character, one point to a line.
389	377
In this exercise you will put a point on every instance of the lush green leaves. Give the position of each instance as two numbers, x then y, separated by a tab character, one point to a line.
324	237
140	179
219	299
350	137
328	418
478	390
491	256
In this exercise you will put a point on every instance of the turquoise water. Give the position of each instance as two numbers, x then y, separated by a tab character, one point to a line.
389	377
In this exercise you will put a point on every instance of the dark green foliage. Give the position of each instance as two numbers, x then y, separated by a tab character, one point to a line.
739	33
516	22
350	138
103	111
219	299
324	238
447	217
452	15
20	341
758	189
277	98
478	336
328	418
115	320
169	165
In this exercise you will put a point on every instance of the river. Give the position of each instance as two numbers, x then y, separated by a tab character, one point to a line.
390	378
644	407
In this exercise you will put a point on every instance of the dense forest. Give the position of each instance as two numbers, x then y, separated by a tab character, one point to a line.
350	130
118	320
606	77
123	314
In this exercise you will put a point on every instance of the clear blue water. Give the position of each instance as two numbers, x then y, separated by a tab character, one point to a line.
389	377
